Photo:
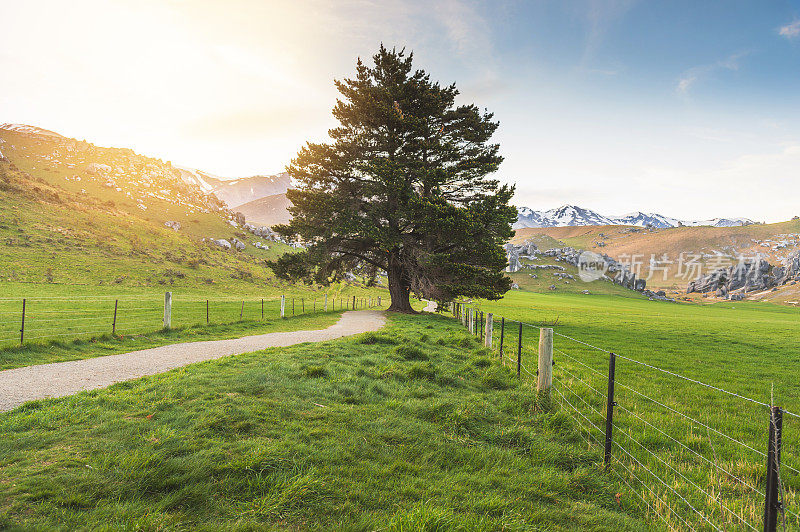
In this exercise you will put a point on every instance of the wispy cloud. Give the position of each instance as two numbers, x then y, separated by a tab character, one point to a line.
790	31
691	76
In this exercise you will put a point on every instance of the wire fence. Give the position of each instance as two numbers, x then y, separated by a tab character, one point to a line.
44	319
689	454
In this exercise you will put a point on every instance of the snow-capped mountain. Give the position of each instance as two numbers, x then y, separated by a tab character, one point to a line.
238	191
571	215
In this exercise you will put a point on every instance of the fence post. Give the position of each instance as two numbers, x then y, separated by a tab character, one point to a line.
22	329
379	301
303	308
241	312
167	310
489	330
114	324
502	334
326	302
545	373
283	306
772	502
292	306
207	321
480	326
262	308
354	303
519	352
612	362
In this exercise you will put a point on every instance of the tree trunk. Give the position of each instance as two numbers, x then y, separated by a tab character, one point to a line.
399	287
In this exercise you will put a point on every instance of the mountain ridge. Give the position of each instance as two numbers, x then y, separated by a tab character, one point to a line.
573	215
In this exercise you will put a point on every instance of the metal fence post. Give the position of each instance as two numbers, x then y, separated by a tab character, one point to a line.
303	308
772	502
292	306
502	334
262	308
354	303
167	310
241	312
114	324
610	404
519	352
207	321
22	328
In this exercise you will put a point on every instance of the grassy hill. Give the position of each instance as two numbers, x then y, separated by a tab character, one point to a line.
65	222
709	247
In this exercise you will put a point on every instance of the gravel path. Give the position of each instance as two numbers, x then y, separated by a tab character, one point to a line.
20	385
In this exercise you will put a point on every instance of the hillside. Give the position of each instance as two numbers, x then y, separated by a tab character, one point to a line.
689	250
269	210
76	213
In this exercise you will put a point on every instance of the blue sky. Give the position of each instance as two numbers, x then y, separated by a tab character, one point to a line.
685	108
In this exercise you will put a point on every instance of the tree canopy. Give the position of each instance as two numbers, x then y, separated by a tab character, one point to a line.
402	189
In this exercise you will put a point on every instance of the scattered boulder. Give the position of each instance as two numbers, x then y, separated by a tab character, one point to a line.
238	244
97	169
224	244
175	226
745	276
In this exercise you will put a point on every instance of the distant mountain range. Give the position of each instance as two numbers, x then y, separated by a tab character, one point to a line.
571	215
237	191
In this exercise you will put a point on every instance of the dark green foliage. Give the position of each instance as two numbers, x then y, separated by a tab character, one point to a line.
402	189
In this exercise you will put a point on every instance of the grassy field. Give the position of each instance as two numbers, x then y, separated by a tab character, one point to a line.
64	313
412	428
749	348
106	344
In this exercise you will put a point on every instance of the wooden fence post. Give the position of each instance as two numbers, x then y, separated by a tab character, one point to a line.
545	373
489	330
519	352
22	328
326	302
283	306
354	303
772	499
114	324
167	310
610	404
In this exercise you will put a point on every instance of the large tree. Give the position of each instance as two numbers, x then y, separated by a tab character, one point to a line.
402	189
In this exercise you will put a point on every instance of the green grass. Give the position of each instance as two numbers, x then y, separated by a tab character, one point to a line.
64	313
745	347
106	344
347	435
